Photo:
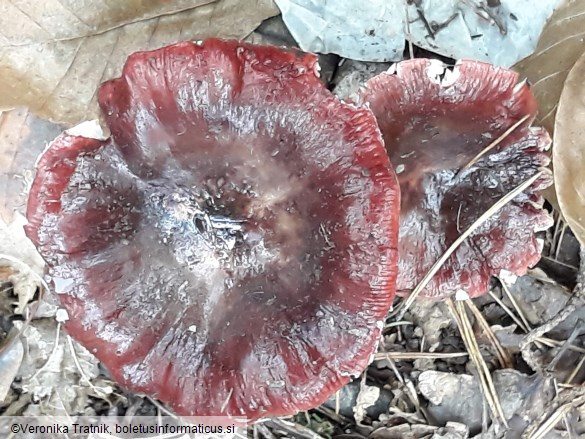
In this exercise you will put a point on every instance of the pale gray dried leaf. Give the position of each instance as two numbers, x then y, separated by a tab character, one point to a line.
569	149
501	32
559	47
367	397
539	302
458	397
498	32
51	375
54	54
366	31
432	317
10	360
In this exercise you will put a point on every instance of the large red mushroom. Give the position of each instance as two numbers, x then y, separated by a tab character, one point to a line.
231	249
460	139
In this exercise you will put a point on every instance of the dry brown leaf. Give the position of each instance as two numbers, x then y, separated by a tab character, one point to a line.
560	45
54	53
22	138
569	150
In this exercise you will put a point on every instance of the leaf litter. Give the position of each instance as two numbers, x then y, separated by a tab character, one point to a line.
500	32
569	151
49	51
558	48
428	385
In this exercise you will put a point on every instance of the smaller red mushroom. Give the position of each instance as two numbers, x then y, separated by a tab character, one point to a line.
460	140
231	249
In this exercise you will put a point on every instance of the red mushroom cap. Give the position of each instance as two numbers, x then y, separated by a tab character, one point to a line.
434	121
232	248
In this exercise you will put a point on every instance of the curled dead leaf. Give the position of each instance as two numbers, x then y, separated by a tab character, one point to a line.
53	54
569	150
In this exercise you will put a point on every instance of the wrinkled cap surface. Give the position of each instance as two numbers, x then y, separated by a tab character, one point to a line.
434	121
231	249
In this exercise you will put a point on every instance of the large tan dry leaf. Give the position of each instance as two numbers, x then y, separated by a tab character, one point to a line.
560	45
569	150
54	53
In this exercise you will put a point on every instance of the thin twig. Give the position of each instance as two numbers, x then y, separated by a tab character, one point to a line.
418	355
337	417
560	240
576	370
549	342
576	300
401	322
162	408
555	418
408	34
397	373
565	347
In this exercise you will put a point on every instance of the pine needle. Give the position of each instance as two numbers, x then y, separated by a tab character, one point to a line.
503	355
484	375
492	145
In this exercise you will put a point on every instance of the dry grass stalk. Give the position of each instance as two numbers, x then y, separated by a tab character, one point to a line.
502	354
554	419
485	378
492	145
576	370
398	356
512	300
508	311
